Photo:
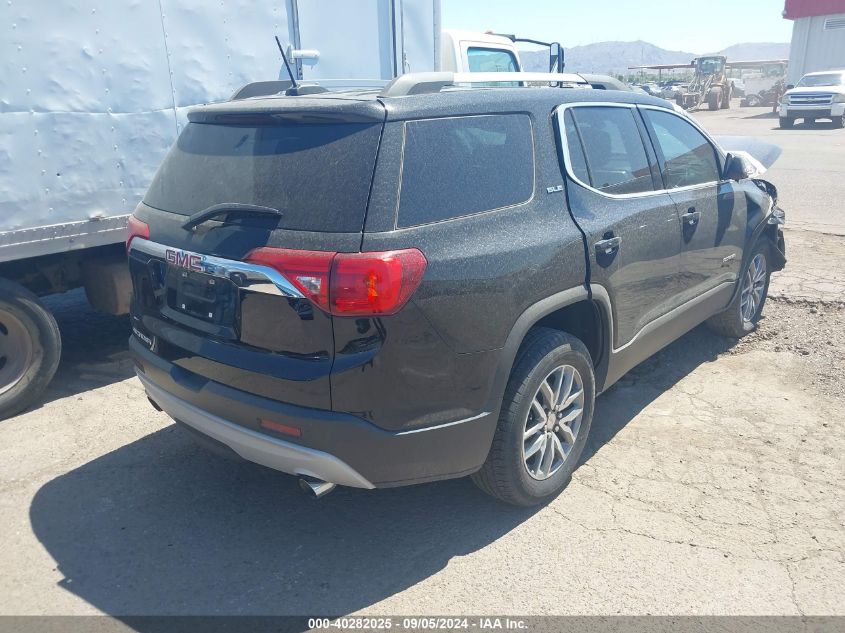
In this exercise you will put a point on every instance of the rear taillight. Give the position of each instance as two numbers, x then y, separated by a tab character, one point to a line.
349	284
375	283
136	228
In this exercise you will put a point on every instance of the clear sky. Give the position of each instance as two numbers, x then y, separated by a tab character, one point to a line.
695	26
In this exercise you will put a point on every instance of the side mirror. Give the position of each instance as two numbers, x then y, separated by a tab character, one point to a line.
790	86
738	168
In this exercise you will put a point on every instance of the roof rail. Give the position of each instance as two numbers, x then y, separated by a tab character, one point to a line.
422	83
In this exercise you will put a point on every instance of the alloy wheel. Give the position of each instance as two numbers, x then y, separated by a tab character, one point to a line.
753	286
553	422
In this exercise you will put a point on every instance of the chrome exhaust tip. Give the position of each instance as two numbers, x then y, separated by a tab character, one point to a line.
315	488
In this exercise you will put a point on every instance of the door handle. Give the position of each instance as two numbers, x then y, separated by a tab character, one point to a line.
692	216
608	246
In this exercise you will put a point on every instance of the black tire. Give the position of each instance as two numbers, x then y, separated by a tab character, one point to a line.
726	101
786	122
731	323
504	474
22	314
753	101
839	121
714	98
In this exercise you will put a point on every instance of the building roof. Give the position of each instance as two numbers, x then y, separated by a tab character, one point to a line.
795	9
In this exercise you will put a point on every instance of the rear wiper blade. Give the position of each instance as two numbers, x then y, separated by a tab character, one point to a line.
226	208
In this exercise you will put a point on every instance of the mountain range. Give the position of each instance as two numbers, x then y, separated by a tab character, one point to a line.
616	57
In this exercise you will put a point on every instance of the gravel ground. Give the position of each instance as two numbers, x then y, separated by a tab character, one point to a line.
813	330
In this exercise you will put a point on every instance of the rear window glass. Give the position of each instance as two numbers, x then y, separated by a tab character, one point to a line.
460	166
317	175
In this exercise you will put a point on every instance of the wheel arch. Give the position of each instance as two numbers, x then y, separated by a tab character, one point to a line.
578	311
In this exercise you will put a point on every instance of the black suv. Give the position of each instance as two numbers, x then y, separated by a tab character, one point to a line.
386	287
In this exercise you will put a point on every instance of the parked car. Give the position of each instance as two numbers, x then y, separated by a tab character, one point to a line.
378	288
650	89
672	89
819	95
606	82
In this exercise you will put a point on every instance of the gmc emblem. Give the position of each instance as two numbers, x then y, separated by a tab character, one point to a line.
191	261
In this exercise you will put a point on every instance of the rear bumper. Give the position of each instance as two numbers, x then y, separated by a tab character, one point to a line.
335	447
256	447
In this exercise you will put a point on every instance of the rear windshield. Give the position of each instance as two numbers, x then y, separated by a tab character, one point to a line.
317	175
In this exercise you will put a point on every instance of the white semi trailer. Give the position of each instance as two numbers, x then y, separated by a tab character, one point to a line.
94	92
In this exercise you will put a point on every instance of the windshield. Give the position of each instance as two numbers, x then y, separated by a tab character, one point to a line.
829	79
710	66
491	60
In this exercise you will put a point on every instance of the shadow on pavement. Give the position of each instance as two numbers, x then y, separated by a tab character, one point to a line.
162	527
94	346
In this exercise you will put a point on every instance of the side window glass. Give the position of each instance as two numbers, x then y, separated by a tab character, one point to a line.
615	157
576	151
458	166
689	158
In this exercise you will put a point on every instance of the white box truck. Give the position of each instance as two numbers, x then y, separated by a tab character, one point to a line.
93	95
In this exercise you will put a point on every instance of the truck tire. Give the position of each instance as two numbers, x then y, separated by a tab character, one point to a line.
544	423
714	98
839	121
30	348
726	102
740	317
786	122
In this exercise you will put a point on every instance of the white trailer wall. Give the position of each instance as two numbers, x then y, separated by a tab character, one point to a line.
818	43
93	92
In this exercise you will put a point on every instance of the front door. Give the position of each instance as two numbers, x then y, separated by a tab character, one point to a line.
712	212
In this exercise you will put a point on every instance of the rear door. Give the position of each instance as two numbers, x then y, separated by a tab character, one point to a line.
632	228
712	211
233	299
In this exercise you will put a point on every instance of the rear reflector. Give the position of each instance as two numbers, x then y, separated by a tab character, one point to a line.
281	428
136	228
349	284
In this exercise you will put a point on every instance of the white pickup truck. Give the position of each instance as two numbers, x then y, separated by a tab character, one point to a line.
88	111
819	95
